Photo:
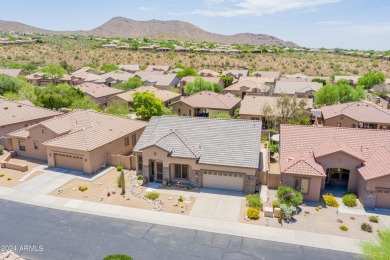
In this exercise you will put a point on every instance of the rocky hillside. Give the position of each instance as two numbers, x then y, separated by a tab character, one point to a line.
183	31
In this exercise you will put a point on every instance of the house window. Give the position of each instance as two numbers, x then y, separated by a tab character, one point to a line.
190	113
22	145
255	118
133	139
127	141
140	163
181	171
302	185
36	145
179	111
43	130
353	125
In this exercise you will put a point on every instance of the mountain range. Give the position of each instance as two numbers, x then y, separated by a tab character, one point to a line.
155	29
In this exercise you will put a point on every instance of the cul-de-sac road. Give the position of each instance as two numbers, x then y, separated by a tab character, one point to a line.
64	235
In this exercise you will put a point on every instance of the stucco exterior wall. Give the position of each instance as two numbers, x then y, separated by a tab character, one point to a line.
383	182
314	185
185	110
35	135
347	122
342	160
118	100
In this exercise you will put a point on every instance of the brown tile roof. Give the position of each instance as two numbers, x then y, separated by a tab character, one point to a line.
302	164
248	86
206	72
359	111
102	129
154	67
12	72
332	145
98	90
189	79
14	112
308	140
236	73
299	77
130	67
253	105
258	80
267	74
143	74
211	100
292	87
378	165
164	95
354	79
161	80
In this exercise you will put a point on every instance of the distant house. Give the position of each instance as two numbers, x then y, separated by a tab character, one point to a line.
175	70
82	140
97	92
299	89
267	74
299	77
253	107
236	73
17	115
355	160
109	46
205	104
129	68
203	152
157	68
352	79
181	49
356	115
184	81
208	73
143	74
248	87
148	48
13	72
168	97
113	78
163	49
166	82
39	79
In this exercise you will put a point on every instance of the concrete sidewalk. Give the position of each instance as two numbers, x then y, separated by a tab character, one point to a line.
190	222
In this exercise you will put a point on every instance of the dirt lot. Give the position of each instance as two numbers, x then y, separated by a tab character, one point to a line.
134	197
324	221
17	175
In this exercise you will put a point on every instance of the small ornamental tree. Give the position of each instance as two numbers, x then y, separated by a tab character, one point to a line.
147	105
371	79
132	83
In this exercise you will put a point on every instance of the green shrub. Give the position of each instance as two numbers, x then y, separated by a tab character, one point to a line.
118	257
152	195
349	200
288	211
140	177
330	201
1	149
275	204
180	199
253	200
344	228
366	227
377	250
119	181
253	213
289	196
119	168
373	219
1	174
83	188
9	178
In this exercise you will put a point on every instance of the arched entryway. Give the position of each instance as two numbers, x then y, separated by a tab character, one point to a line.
337	176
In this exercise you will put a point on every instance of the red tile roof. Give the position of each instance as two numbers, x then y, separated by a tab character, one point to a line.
378	165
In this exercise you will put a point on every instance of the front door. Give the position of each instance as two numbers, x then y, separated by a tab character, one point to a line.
151	169
159	171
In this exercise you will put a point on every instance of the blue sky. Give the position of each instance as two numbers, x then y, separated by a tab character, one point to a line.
359	24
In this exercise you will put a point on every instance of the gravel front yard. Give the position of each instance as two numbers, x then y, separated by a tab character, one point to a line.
324	221
134	197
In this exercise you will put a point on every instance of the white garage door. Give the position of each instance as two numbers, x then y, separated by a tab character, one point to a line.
69	161
382	198
223	181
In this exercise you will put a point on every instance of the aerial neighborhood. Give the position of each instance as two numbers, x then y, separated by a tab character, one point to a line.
284	149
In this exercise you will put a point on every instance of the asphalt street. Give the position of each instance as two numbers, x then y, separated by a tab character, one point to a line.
43	233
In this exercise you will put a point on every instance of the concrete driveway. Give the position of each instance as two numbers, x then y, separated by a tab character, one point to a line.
218	204
53	178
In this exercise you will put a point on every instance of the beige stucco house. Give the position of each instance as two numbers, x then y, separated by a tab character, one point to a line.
358	159
97	92
82	140
300	89
168	97
361	114
249	87
203	152
206	104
